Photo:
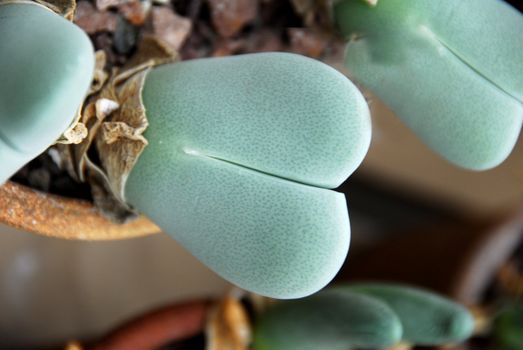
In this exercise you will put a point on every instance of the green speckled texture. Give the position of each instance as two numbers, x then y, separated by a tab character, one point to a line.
426	318
241	151
329	320
451	70
46	67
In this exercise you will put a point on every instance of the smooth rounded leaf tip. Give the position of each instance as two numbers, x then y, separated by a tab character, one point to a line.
455	83
46	65
427	318
330	320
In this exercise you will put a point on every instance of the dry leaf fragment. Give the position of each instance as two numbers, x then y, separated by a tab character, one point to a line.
115	118
64	8
228	326
113	131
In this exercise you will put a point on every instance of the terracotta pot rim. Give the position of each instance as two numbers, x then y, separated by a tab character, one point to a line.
67	218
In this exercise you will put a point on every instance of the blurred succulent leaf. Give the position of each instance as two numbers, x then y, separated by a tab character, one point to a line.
426	318
330	320
451	70
241	153
508	328
46	65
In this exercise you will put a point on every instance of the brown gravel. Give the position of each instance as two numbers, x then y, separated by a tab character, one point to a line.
170	27
230	16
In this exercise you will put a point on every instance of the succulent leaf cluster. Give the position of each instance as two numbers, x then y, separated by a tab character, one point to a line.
362	316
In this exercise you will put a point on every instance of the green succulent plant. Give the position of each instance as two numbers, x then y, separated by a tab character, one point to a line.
46	67
242	153
362	316
451	70
426	318
329	320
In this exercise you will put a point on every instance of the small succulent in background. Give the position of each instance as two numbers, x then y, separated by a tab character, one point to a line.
508	327
242	153
46	68
426	318
362	316
451	70
329	320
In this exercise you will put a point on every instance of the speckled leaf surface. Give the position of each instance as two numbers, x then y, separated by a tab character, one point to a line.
242	151
451	70
426	318
46	66
329	320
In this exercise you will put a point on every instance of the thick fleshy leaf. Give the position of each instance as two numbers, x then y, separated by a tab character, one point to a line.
240	150
451	70
330	320
426	318
46	67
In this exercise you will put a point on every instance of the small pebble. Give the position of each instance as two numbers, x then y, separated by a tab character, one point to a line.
230	16
307	42
93	21
170	27
125	36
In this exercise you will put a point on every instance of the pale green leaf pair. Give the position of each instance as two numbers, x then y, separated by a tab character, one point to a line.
362	316
450	69
242	153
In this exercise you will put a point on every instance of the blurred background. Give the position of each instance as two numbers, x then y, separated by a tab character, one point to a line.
52	291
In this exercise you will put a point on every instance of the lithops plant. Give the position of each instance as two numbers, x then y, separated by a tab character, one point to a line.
329	320
451	70
426	318
46	66
362	316
242	153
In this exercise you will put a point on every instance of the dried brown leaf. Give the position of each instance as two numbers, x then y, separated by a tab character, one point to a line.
64	8
228	326
115	118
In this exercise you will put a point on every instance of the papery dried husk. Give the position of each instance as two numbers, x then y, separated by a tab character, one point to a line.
401	346
78	131
115	118
260	303
228	325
